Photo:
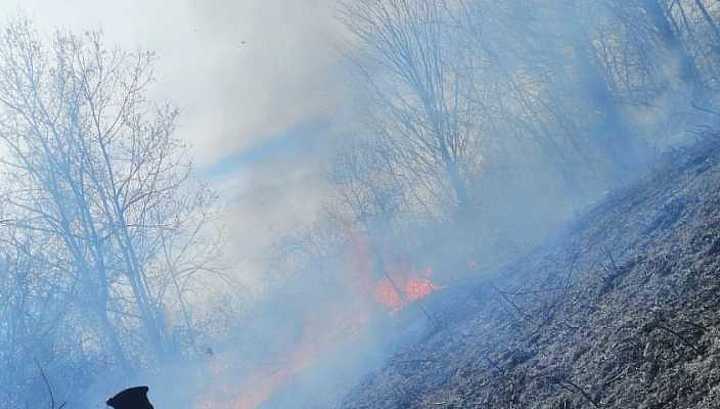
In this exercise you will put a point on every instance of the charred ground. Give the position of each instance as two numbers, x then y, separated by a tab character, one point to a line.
618	311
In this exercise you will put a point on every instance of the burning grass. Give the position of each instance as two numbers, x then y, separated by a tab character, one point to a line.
619	312
372	296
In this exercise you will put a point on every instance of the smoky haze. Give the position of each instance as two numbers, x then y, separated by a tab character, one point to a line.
336	176
243	74
241	71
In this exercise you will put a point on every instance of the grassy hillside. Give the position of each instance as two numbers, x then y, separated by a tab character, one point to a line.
620	311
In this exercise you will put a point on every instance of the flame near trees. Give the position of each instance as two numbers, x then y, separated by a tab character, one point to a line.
399	286
397	294
400	283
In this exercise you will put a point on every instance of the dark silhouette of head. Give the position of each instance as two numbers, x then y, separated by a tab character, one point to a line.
133	398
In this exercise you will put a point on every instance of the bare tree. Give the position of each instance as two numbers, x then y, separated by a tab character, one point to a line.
92	165
409	58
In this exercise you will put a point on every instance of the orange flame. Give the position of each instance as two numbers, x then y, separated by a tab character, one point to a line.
396	296
321	335
419	288
401	286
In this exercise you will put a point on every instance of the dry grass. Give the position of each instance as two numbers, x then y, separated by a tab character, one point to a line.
620	311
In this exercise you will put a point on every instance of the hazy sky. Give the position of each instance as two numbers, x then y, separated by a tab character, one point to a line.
256	81
241	70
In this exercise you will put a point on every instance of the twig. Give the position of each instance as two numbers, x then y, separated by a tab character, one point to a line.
680	337
704	109
696	325
48	386
522	313
414	361
493	363
563	383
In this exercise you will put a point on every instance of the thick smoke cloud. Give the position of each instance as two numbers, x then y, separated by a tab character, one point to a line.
344	206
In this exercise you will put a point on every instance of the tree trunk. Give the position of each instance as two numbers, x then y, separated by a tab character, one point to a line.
708	19
688	71
611	135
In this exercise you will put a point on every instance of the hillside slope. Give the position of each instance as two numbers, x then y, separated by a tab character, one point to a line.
620	311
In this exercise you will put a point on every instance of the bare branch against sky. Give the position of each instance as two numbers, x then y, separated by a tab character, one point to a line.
241	71
248	77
